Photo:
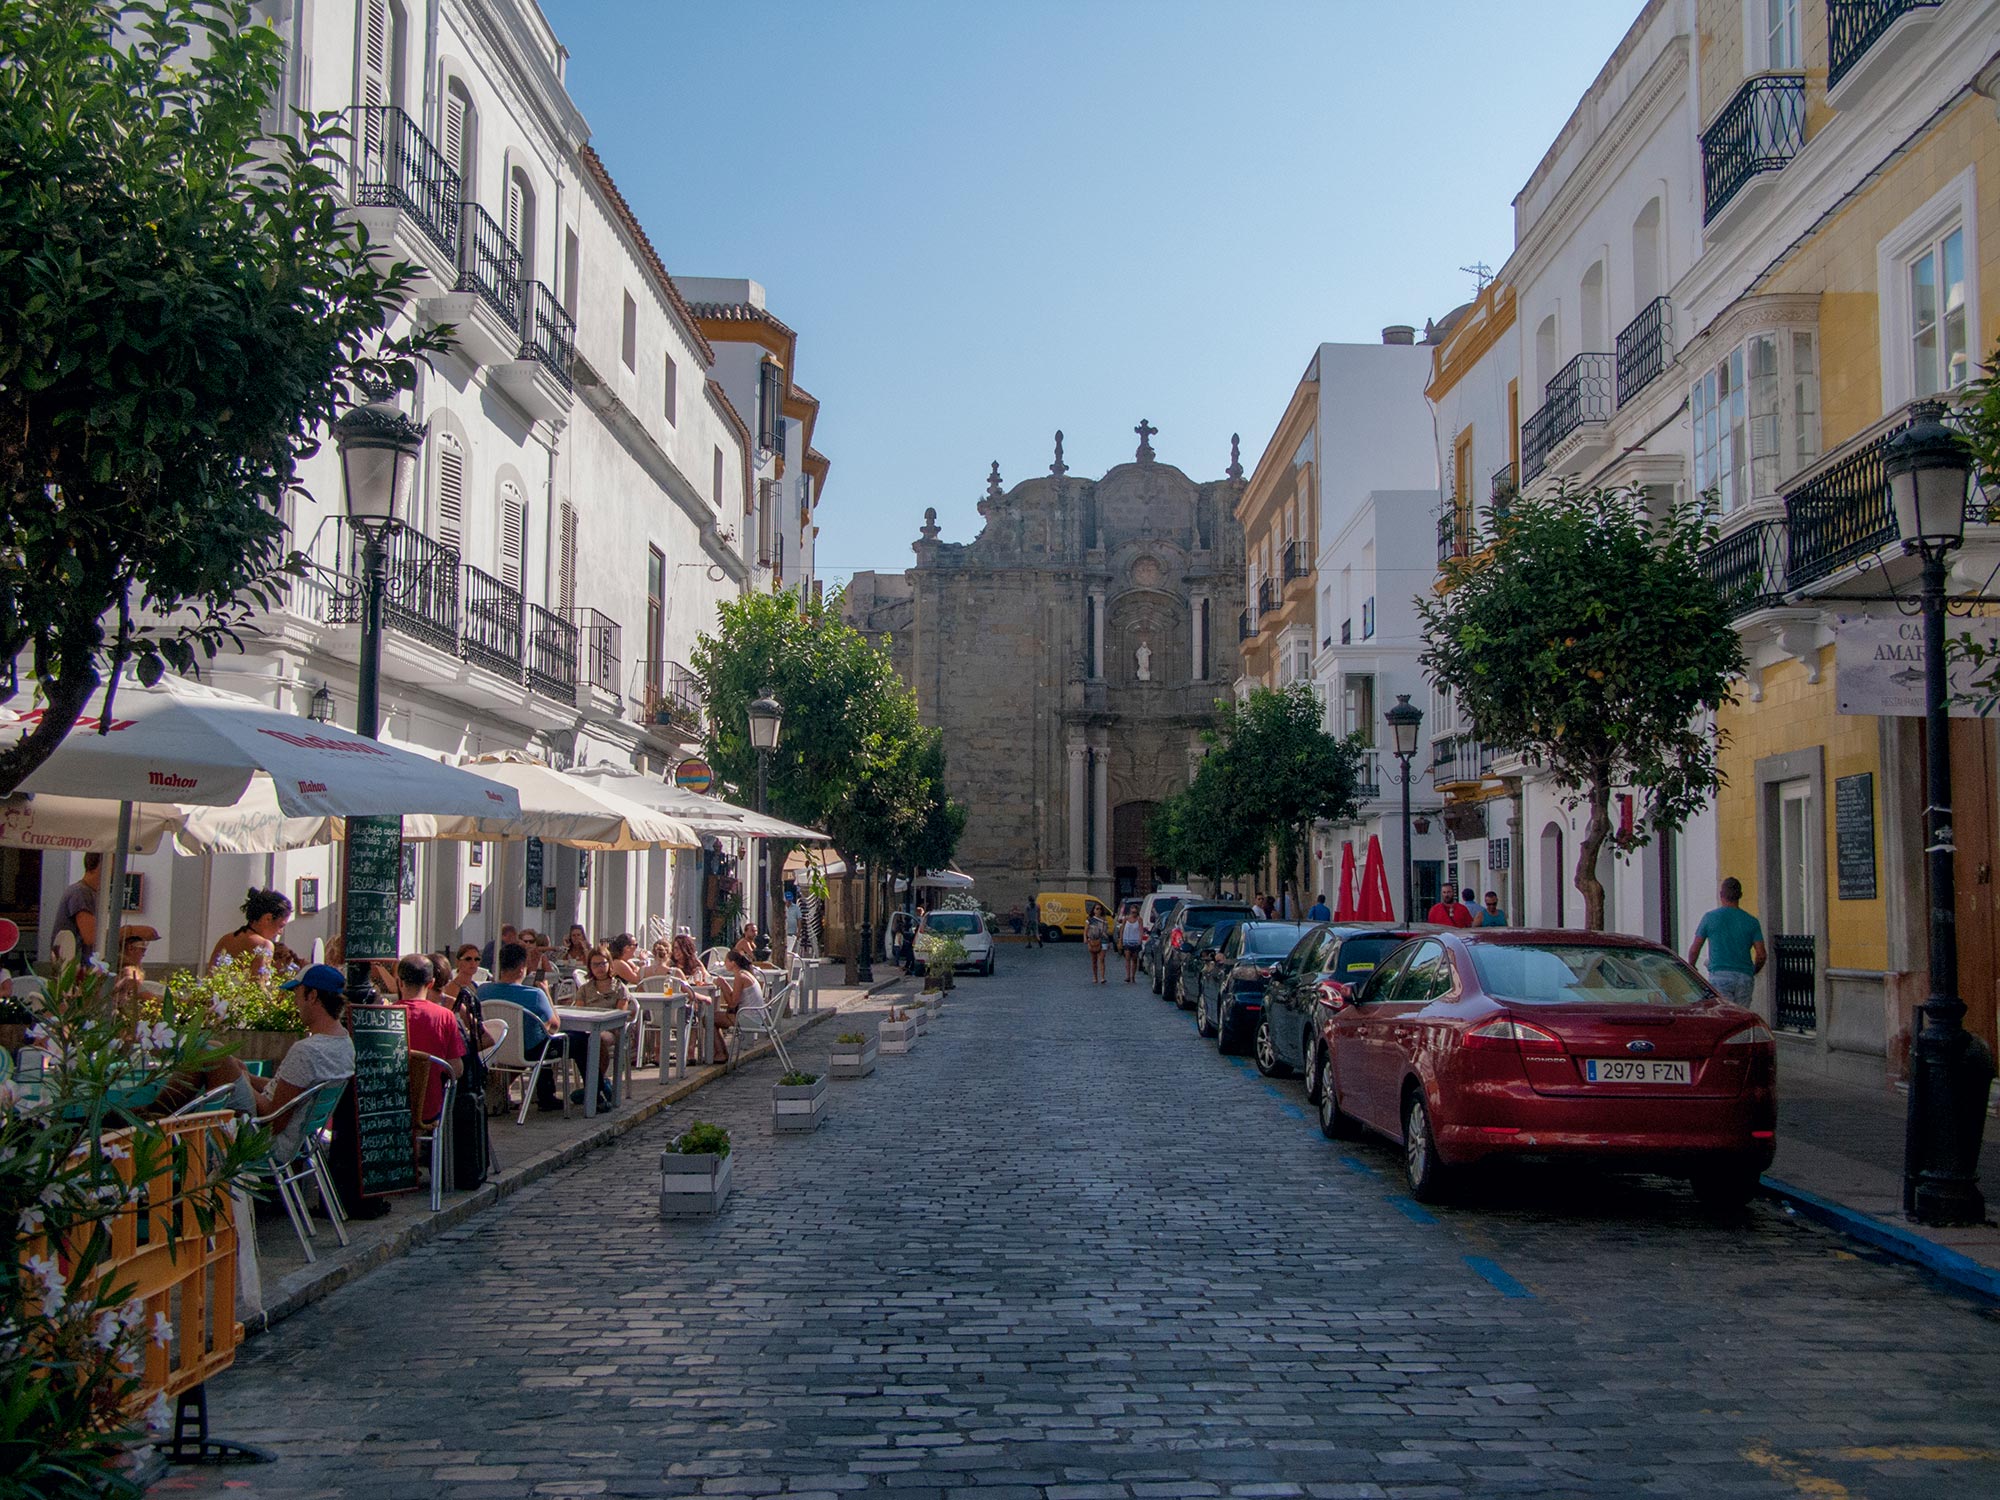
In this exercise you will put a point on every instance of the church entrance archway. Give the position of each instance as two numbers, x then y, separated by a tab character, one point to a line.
1131	865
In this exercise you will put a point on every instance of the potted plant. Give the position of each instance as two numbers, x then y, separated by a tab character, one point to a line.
946	954
853	1055
259	1021
896	1033
694	1171
798	1102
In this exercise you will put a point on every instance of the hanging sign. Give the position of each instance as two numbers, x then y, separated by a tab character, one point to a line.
694	775
1878	665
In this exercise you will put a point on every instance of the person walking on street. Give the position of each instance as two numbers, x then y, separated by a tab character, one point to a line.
1320	911
1095	935
1130	935
1492	916
1034	921
1735	943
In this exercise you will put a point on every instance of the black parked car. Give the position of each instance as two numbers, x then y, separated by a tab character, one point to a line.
1288	1031
1230	993
1188	930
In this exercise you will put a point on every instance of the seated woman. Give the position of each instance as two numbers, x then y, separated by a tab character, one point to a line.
661	963
462	980
738	991
624	950
576	948
603	990
132	941
265	914
687	964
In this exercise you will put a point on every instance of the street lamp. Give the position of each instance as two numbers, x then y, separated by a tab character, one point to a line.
766	715
1927	466
1405	721
319	708
378	448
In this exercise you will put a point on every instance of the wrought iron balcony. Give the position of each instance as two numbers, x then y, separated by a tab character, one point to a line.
1853	26
1246	626
673	696
1296	565
1505	488
1535	444
552	643
489	265
1267	597
1759	130
1368	777
548	333
601	636
420	594
396	166
493	624
1747	567
1644	348
1454	530
1580	393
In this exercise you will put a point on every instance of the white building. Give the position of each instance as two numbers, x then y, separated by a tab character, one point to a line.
580	509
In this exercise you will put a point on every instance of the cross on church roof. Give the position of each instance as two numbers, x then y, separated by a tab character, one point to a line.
1146	431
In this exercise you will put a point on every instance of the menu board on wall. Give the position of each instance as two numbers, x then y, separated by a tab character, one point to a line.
372	888
382	1097
1854	835
534	863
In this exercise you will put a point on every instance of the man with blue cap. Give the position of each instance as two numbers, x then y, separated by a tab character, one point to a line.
325	1054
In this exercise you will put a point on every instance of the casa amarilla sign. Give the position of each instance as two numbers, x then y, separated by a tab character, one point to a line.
1878	665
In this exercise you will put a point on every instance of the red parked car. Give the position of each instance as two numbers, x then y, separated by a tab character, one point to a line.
1498	1042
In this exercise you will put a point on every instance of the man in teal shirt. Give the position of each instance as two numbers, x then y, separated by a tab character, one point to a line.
1735	943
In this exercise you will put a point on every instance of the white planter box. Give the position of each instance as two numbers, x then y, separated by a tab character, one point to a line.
895	1037
799	1108
853	1059
920	1017
692	1185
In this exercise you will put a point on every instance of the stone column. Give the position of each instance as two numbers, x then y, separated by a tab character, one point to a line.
1097	634
1195	640
1078	793
1100	797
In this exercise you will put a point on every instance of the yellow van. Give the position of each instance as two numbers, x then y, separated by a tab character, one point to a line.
1063	913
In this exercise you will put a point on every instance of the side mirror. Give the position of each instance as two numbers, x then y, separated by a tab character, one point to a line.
1336	994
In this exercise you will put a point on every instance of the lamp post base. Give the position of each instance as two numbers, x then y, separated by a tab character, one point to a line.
1951	1072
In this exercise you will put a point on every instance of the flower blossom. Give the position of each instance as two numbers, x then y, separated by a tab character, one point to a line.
55	1289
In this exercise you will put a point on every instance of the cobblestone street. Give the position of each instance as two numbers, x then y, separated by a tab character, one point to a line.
1064	1250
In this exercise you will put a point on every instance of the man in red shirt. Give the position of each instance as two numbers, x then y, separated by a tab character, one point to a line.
433	1029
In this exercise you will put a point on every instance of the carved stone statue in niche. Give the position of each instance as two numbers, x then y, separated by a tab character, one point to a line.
1144	657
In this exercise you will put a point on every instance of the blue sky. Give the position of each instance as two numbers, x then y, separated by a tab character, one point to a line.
987	221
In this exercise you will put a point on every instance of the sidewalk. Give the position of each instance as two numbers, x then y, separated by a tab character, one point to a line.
1840	1161
526	1152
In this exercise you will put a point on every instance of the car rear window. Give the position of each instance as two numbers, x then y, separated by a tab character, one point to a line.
1271	941
1584	974
1208	916
1361	956
957	923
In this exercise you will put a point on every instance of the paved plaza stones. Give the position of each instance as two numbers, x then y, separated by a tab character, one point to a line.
1063	1251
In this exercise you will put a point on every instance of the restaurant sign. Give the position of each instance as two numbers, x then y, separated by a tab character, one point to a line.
1878	664
694	775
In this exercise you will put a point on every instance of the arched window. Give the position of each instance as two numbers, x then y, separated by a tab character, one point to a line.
1647	282
520	225
461	135
383	30
1546	352
447	507
1590	299
513	534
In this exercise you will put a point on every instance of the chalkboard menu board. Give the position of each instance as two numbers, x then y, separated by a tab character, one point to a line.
372	888
534	901
382	1097
1854	835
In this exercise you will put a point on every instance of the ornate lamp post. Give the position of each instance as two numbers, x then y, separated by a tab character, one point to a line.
766	716
1405	722
1927	466
379	447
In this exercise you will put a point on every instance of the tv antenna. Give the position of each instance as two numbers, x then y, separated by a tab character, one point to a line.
1481	274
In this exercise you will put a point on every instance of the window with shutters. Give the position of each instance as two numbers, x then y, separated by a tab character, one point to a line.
718	479
764	488
448	496
656	618
520	225
629	338
672	383
461	135
572	257
770	401
566	560
382	35
513	535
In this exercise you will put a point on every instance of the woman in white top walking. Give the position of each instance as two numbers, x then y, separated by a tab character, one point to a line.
1130	935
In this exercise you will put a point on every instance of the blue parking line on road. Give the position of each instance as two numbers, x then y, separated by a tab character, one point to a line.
1356	1164
1506	1285
1414	1211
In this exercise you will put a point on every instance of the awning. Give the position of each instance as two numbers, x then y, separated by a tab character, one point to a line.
559	808
710	815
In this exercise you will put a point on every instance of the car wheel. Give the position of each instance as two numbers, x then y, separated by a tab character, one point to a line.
1176	989
1157	978
1051	935
1226	1040
1203	1027
1726	1188
988	971
1335	1123
1315	1070
1268	1061
1422	1169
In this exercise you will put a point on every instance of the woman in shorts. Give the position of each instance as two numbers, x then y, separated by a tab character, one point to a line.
1130	935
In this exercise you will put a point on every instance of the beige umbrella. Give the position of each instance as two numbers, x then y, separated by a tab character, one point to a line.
253	824
703	814
558	809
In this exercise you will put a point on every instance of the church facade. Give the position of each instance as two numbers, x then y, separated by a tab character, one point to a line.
1072	654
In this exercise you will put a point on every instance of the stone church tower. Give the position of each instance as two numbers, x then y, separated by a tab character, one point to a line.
1072	653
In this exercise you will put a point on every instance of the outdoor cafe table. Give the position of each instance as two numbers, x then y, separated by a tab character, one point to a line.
597	1023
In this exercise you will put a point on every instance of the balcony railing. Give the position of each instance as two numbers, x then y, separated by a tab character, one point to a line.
1454	530
1853	26
1759	130
1581	392
1643	348
1368	777
1748	567
1246	626
489	264
1267	597
1535	443
549	333
551	654
1295	561
396	166
1505	488
420	594
673	695
492	623
600	635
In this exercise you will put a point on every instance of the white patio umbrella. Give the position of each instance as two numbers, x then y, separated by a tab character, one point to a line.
254	824
558	808
943	880
702	813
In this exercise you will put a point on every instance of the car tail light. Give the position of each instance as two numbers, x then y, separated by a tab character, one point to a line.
1750	1036
1505	1032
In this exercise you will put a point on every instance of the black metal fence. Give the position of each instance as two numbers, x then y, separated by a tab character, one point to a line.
549	332
420	594
1644	348
1582	392
601	637
1853	26
396	166
1748	567
552	643
492	623
1760	129
1246	626
489	264
1535	443
1795	981
1295	561
1267	597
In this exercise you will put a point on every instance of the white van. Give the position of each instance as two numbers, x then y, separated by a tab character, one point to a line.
1151	911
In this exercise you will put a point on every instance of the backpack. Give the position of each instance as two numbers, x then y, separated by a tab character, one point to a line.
470	1148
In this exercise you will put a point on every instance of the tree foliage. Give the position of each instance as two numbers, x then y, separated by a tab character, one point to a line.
182	309
1588	639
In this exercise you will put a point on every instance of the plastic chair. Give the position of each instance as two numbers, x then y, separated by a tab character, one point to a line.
437	1133
32	1061
715	959
510	1056
760	1020
495	1033
308	1162
218	1097
30	987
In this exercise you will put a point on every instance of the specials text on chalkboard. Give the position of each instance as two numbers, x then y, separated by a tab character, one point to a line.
372	888
534	864
1854	836
382	1097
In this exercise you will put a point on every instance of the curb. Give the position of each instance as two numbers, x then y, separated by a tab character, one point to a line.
1904	1244
327	1276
